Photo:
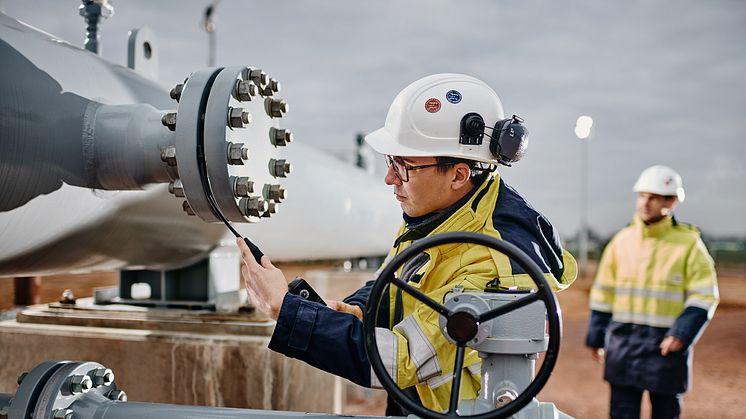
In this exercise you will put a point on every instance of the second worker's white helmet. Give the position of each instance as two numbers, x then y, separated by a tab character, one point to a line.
424	119
660	180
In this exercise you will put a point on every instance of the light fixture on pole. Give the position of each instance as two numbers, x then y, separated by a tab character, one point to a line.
583	128
208	24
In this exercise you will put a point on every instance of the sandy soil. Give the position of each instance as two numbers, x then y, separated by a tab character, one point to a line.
576	386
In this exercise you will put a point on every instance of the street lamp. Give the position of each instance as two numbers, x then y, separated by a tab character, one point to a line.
583	132
208	24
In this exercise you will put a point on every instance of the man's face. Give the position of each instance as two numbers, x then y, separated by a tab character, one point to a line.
653	207
426	191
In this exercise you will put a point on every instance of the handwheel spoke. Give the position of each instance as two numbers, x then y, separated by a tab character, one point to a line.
456	386
420	296
514	305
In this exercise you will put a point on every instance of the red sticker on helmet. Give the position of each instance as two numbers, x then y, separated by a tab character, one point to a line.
432	105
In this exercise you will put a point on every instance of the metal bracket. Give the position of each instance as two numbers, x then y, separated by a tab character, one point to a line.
143	52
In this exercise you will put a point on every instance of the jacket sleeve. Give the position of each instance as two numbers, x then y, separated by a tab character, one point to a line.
597	324
324	338
604	288
702	295
602	298
701	280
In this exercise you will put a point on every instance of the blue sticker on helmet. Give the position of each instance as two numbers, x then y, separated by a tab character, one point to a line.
453	96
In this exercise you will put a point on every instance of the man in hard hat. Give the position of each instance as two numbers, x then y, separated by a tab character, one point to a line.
655	291
443	137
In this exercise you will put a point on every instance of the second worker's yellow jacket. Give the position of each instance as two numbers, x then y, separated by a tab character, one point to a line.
649	274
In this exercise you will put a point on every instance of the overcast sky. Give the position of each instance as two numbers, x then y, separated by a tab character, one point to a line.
664	81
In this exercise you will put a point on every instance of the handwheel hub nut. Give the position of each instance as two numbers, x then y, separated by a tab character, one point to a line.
462	326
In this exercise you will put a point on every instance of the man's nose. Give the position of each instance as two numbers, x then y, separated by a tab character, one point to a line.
391	178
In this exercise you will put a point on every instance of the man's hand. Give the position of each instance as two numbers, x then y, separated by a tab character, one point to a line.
346	308
265	284
671	344
597	354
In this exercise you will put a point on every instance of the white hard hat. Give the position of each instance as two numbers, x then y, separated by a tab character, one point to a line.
425	119
660	180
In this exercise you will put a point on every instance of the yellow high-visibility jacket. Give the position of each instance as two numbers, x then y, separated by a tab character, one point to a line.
650	273
414	349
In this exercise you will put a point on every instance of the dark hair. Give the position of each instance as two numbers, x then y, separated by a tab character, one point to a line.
479	170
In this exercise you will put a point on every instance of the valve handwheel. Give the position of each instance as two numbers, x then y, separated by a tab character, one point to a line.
462	326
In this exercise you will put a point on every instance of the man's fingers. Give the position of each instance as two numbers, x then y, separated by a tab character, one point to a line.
333	304
266	263
345	308
665	346
246	255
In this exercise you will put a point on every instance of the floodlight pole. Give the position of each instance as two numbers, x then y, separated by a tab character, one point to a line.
584	132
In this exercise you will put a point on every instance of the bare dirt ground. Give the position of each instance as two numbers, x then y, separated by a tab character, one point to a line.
576	386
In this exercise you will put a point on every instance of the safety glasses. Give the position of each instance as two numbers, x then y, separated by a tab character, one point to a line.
401	169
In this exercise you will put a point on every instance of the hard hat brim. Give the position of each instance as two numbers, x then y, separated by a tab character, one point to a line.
679	193
384	143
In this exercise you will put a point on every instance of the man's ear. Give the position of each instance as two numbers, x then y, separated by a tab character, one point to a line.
671	202
461	176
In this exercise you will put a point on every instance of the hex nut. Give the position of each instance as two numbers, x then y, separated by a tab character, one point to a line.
245	90
279	168
187	208
169	120
176	188
242	186
101	376
274	192
117	395
175	93
63	414
275	108
168	155
274	85
280	137
253	207
259	77
238	117
80	384
273	207
237	153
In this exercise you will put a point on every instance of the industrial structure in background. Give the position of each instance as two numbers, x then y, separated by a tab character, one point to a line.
102	168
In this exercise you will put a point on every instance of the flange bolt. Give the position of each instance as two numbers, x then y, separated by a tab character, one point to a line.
238	117
253	207
237	153
79	384
274	192
175	93
279	168
245	90
280	137
242	186
169	120
275	108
